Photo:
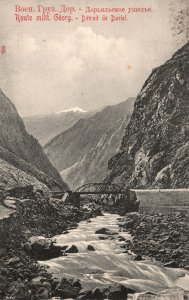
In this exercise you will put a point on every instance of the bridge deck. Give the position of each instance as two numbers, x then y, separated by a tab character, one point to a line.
100	193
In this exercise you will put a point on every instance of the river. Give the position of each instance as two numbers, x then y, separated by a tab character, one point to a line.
108	264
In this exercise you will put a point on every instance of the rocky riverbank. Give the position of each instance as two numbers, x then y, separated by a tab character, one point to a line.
26	237
158	236
21	277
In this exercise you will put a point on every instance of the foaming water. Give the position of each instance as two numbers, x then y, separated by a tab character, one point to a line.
108	264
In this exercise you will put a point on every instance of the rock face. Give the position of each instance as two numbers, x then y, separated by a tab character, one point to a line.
155	148
20	150
46	127
81	153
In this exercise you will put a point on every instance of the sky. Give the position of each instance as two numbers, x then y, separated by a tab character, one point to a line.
52	66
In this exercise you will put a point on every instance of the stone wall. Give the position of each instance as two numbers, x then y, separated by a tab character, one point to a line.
163	200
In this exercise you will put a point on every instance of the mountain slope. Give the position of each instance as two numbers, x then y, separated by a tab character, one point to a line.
154	151
46	127
81	152
11	177
21	150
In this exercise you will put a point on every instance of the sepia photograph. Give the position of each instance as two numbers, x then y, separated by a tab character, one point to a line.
94	150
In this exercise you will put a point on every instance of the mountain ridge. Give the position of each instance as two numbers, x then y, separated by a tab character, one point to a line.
22	150
155	146
45	127
80	152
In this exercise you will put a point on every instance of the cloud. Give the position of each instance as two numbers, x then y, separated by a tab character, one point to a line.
80	68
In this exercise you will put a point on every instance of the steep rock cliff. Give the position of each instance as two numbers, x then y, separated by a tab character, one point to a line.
154	151
22	150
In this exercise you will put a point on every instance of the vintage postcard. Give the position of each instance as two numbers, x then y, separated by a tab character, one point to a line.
94	149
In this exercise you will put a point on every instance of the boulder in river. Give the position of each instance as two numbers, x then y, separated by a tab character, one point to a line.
72	249
85	295
68	288
42	287
102	237
90	248
119	292
43	248
103	231
171	264
121	238
138	257
98	294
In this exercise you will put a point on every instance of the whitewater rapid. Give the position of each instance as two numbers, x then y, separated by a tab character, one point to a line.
108	264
